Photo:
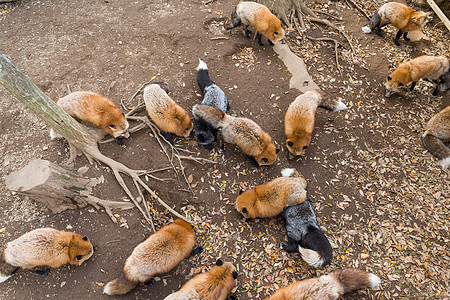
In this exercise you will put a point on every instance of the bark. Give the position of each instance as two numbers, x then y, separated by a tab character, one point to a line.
57	187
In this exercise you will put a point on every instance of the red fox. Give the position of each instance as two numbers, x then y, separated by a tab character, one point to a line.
167	115
401	16
260	17
158	254
216	284
243	132
42	249
431	68
269	199
437	135
329	287
96	109
299	119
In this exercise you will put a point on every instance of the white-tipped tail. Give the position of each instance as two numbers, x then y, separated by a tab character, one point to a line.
311	257
340	106
107	289
374	280
54	135
366	29
287	172
4	278
201	65
445	163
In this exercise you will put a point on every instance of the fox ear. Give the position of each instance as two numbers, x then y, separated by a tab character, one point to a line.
219	262
241	191
389	78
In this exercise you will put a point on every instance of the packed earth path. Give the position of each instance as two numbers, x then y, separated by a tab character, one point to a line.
380	197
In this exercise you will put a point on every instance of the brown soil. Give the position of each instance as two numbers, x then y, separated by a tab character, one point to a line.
368	176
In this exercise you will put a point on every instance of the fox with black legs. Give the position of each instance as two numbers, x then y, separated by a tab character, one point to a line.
403	17
304	234
300	117
437	136
328	287
212	96
158	254
434	69
166	113
269	199
215	284
243	132
42	249
260	17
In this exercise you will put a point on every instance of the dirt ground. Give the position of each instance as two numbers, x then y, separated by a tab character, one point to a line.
381	198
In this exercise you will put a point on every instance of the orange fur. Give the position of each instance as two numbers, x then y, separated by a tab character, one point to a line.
402	16
215	284
167	115
431	67
437	136
96	109
47	247
327	287
300	116
243	132
269	199
158	254
260	17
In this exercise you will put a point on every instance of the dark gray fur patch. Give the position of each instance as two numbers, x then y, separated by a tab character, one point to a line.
298	218
215	97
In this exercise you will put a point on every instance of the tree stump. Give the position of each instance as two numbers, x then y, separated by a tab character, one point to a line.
58	187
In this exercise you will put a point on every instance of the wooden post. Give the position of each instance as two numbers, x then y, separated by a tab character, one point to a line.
439	13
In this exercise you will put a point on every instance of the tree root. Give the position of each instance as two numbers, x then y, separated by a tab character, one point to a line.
359	8
328	23
336	43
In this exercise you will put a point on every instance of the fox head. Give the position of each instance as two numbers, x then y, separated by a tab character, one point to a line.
420	18
275	32
393	86
298	144
268	155
80	249
185	124
115	123
245	203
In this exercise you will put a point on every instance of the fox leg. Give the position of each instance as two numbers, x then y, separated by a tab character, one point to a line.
167	136
397	37
292	246
247	32
40	271
253	161
149	282
405	36
118	140
196	251
258	37
413	85
436	90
